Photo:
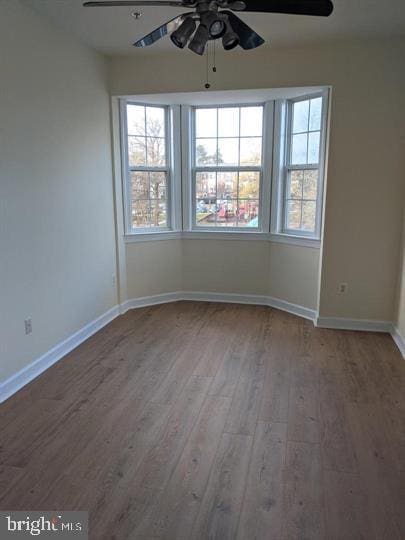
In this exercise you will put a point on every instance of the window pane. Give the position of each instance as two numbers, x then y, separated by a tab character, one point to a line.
248	213
295	185
313	147
140	214
251	121
156	152
155	122
228	150
136	120
227	185
310	185
140	185
158	185
249	185
206	187
300	116
228	122
299	149
136	151
158	213
206	122
316	114
224	196
251	151
293	214
205	213
227	213
308	216
206	152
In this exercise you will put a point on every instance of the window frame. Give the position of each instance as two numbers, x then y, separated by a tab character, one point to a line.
127	169
283	167
193	169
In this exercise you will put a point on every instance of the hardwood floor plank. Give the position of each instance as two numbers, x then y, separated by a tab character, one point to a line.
164	456
304	493
263	512
211	338
134	496
380	473
282	346
222	502
337	447
245	406
303	406
346	507
227	376
180	501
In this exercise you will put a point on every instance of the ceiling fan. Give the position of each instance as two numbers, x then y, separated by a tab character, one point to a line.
215	19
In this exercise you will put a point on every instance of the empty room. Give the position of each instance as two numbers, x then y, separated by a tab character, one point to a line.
202	269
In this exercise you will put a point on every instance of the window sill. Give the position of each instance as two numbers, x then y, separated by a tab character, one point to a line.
226	235
219	235
135	238
290	239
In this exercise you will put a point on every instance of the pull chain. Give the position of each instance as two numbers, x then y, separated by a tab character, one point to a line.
207	84
207	63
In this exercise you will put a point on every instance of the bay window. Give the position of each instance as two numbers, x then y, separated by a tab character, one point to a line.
255	167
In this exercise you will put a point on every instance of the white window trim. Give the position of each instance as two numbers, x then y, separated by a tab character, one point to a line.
173	198
282	131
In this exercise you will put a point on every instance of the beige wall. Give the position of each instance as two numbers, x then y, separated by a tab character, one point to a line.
288	273
153	268
239	267
366	161
294	274
56	211
400	318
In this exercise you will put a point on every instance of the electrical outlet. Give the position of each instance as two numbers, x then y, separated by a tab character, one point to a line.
342	288
28	326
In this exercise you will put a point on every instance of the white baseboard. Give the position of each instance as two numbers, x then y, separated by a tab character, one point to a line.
154	300
362	325
252	299
399	340
11	385
295	309
228	298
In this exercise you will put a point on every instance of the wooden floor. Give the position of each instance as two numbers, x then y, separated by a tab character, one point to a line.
193	421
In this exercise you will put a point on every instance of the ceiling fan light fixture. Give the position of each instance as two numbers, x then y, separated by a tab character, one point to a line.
230	39
200	39
181	36
215	24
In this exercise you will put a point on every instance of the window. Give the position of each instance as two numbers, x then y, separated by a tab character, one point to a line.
147	163
227	167
303	171
204	168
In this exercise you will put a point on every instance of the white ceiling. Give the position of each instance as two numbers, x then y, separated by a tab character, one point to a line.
113	30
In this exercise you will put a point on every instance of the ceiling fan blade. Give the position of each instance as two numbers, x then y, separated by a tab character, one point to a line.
248	37
162	31
134	3
319	8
